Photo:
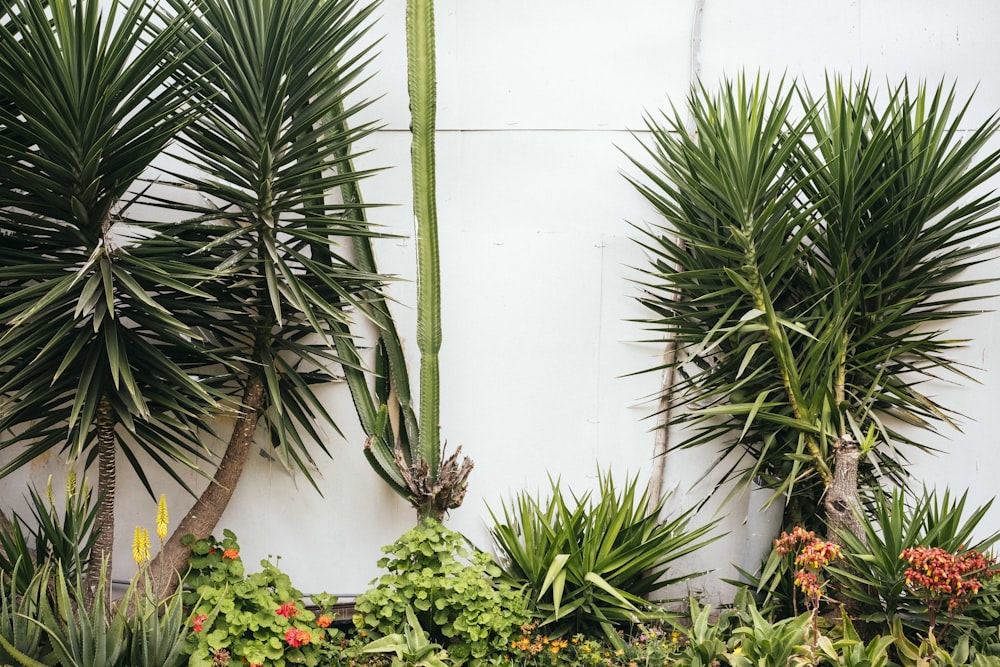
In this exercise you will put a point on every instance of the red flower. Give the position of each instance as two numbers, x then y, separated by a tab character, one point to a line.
296	637
198	622
231	554
944	576
288	610
324	621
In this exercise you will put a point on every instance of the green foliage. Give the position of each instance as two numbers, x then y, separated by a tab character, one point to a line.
761	642
851	651
873	572
93	92
258	618
66	540
928	653
20	635
806	266
587	563
452	588
412	648
705	637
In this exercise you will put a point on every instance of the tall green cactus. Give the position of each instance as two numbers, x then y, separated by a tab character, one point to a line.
421	85
408	454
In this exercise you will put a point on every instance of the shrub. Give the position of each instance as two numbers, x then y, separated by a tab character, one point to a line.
874	571
586	564
453	590
255	620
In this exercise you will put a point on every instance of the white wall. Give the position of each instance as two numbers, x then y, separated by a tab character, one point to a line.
536	99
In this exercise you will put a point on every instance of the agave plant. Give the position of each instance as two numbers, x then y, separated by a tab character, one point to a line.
809	256
587	563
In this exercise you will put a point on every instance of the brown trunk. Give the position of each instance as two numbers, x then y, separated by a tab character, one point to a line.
842	507
201	519
841	503
104	523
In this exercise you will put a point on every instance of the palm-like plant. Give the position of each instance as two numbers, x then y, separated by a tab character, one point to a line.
269	147
805	279
90	358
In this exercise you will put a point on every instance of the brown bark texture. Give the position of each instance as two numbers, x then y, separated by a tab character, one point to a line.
104	524
166	568
841	503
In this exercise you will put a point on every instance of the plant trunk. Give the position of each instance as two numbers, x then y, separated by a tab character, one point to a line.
165	569
104	524
842	504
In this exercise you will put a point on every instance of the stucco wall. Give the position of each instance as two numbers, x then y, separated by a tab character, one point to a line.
537	99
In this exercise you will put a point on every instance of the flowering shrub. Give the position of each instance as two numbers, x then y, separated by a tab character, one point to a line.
258	619
812	555
650	646
945	581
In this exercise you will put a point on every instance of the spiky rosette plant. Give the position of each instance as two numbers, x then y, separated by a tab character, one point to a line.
808	259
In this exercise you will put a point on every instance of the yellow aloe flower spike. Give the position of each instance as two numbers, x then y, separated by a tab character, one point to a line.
140	545
162	518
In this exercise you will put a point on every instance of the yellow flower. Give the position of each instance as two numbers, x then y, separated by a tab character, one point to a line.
161	518
71	483
140	545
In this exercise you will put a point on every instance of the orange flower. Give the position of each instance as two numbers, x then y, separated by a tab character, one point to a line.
324	621
296	637
231	554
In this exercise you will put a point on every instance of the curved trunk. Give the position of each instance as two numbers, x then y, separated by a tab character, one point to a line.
104	524
201	519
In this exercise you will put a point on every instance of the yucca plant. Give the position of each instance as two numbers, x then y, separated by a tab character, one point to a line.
91	360
586	563
809	257
266	153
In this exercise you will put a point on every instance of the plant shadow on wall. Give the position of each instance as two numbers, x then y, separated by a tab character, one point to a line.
811	255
